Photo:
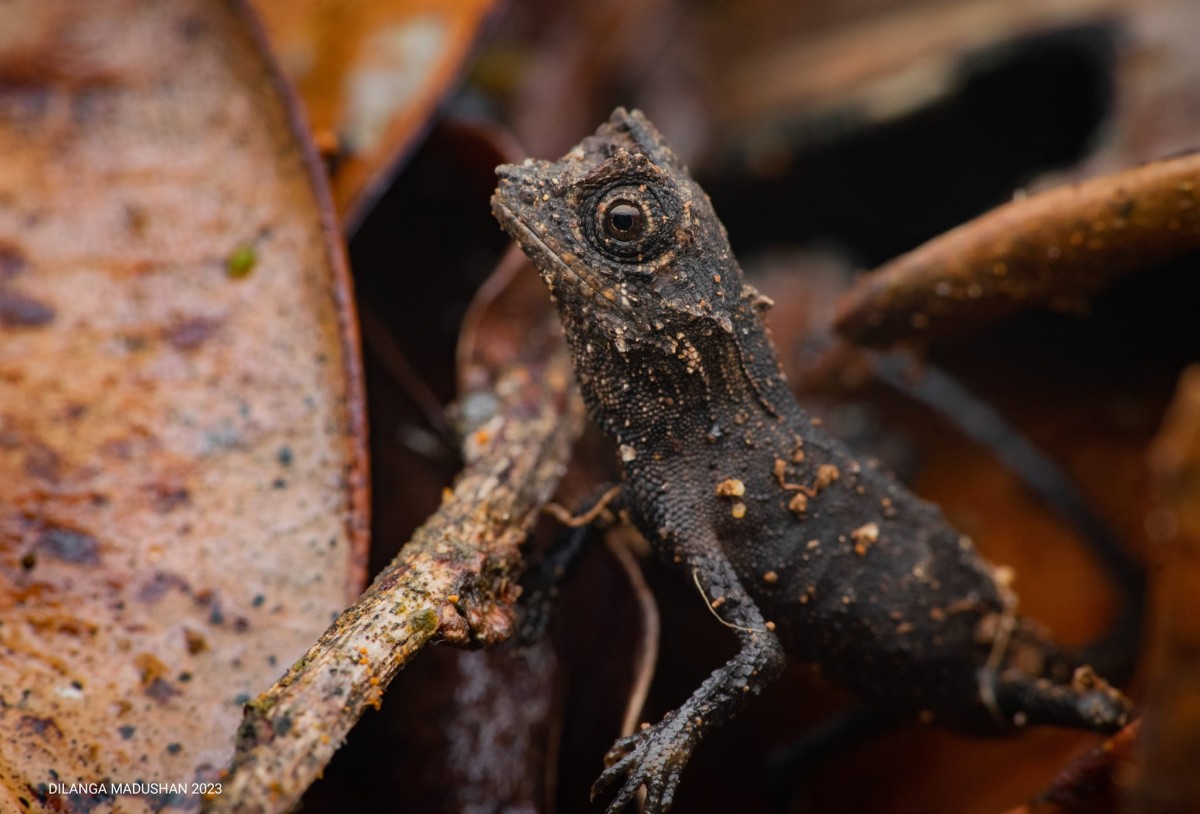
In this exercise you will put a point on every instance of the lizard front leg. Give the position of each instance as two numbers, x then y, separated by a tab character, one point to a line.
656	755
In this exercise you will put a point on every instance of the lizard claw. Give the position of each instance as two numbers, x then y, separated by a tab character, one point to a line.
653	757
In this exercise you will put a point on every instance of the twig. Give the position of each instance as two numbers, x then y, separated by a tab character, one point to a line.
574	521
1056	248
647	651
455	581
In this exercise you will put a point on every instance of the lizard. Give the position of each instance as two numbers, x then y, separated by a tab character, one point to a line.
800	550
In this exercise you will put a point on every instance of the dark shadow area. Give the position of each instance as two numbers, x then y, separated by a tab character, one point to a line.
1018	109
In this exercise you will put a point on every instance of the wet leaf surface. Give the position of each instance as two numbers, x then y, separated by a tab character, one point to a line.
182	473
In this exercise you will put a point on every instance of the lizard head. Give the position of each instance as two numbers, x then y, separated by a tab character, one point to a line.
625	240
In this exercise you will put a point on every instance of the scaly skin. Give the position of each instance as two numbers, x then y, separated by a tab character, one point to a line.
797	547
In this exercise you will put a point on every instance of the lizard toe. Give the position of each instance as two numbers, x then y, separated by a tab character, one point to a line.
653	757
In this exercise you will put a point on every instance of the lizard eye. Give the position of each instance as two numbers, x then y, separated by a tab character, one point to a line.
630	222
624	221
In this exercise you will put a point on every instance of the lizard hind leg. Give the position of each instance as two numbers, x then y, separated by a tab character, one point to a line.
1028	680
1086	702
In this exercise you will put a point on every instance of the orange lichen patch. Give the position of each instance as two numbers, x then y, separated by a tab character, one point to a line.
150	668
196	641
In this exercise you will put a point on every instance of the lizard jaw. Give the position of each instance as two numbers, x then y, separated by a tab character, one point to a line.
530	241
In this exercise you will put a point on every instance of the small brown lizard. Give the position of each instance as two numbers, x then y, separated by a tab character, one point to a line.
796	546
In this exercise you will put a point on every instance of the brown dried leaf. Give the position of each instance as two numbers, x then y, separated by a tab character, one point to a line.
1170	740
1055	248
370	74
1088	784
182	474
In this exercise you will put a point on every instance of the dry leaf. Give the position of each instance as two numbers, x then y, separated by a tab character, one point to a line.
1166	780
370	74
182	474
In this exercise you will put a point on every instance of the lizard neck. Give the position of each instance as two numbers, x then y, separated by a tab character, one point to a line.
683	381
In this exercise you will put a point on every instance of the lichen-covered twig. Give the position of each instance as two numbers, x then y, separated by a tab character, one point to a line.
455	581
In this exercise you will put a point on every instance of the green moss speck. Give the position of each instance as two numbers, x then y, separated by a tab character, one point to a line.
424	621
241	262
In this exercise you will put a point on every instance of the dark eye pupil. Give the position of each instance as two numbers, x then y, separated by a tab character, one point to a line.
624	221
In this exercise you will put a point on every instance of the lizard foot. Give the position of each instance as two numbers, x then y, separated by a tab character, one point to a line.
1088	702
653	757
